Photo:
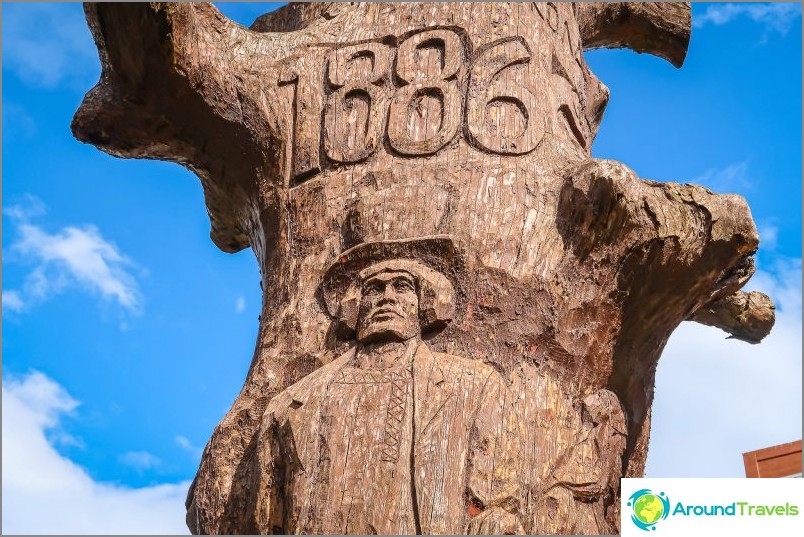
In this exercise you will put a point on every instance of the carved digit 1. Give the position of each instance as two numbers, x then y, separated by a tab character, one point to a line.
426	79
355	71
487	89
306	142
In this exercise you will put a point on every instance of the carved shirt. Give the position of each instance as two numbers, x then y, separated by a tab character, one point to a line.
370	430
419	448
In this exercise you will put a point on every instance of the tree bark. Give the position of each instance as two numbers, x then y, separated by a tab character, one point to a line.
456	136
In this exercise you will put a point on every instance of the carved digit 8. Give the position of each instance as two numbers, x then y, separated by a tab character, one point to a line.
485	89
355	70
439	81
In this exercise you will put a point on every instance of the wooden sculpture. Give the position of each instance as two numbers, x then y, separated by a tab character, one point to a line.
463	311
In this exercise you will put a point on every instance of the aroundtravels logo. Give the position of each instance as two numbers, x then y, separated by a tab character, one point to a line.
702	507
648	508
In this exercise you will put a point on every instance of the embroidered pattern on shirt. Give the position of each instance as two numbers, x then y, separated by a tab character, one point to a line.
395	415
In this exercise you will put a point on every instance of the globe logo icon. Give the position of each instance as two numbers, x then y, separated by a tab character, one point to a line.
648	508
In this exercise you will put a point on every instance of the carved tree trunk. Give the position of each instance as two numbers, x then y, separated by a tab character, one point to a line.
334	125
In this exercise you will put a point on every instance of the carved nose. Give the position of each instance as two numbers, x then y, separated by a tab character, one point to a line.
388	294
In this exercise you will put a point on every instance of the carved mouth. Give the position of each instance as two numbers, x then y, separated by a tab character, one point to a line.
385	314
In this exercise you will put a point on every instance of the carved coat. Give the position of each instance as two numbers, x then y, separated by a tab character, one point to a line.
424	447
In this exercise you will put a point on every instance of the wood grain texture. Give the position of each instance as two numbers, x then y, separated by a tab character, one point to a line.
745	316
449	142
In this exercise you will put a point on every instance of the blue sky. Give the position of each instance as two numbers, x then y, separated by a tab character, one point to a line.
127	334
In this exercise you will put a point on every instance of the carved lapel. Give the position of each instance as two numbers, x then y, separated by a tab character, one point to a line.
431	391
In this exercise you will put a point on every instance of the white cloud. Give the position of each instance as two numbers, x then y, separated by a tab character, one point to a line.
72	255
191	448
184	442
773	16
716	398
768	236
240	304
12	301
48	44
731	179
29	207
140	460
46	493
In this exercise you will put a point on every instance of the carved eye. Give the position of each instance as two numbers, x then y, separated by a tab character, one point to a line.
403	286
373	288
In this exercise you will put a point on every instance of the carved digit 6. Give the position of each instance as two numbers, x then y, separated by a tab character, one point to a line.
487	89
355	70
438	81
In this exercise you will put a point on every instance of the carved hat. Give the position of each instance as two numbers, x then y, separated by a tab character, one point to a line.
433	261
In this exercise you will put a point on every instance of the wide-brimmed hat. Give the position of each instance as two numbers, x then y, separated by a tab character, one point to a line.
438	253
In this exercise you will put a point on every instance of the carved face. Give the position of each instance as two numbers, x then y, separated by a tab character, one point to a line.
389	307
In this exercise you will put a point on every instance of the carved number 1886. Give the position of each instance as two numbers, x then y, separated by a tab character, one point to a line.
364	101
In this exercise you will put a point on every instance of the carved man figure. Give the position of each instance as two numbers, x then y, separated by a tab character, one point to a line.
390	437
